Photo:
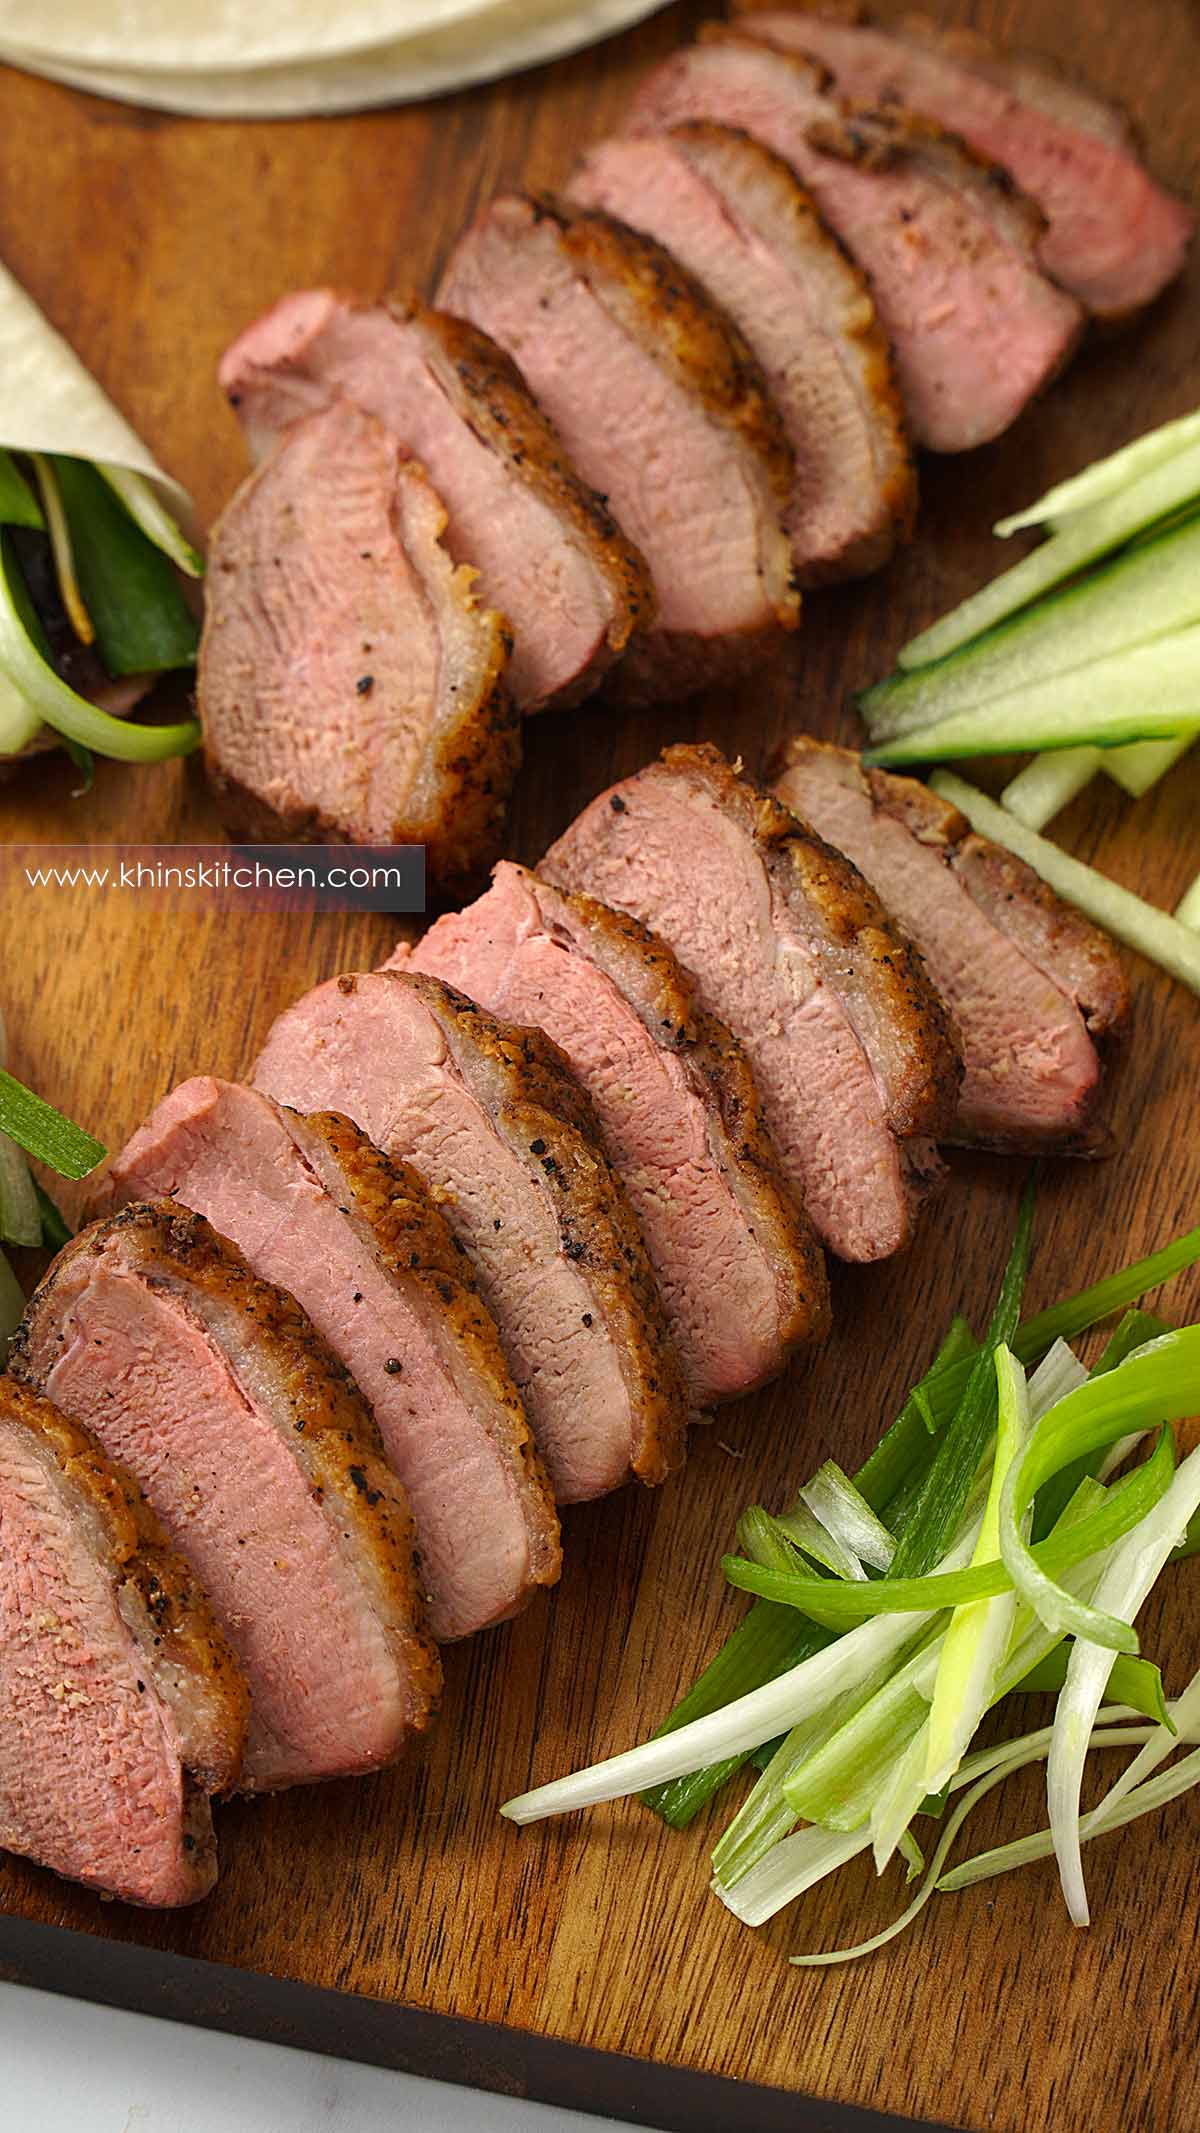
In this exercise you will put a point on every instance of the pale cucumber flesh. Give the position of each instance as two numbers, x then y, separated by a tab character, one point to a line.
1143	763
1050	782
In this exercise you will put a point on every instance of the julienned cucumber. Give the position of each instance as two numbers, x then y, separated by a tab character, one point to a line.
1091	533
1143	763
1050	782
1149	693
1105	477
1142	595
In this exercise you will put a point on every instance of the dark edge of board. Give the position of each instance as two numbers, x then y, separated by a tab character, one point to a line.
411	2040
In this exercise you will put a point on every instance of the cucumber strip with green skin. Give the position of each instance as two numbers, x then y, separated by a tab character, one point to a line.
143	623
1106	477
1050	782
150	514
18	504
1136	768
1175	946
1092	533
1149	693
60	707
1187	910
1148	593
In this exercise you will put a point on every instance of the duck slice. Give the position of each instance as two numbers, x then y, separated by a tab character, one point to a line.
1030	984
550	556
122	1707
850	1046
735	216
662	408
946	243
491	1118
740	1274
356	1238
1114	237
260	1459
350	686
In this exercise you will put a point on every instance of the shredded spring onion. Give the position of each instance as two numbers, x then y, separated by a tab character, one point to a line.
978	1635
61	549
1145	1799
20	1215
60	707
1158	1383
845	1513
805	1530
147	512
44	1133
1126	1580
838	1607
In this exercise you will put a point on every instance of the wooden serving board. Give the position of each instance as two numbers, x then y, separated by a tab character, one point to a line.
586	1961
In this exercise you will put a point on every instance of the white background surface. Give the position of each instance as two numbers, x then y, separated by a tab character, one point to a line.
67	2067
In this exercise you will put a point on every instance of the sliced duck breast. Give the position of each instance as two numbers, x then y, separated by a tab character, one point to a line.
735	216
121	1704
662	407
850	1046
740	1275
947	245
356	1238
1030	984
350	685
549	553
260	1459
1114	237
490	1117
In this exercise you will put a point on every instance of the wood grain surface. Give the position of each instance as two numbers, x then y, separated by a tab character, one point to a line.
149	241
